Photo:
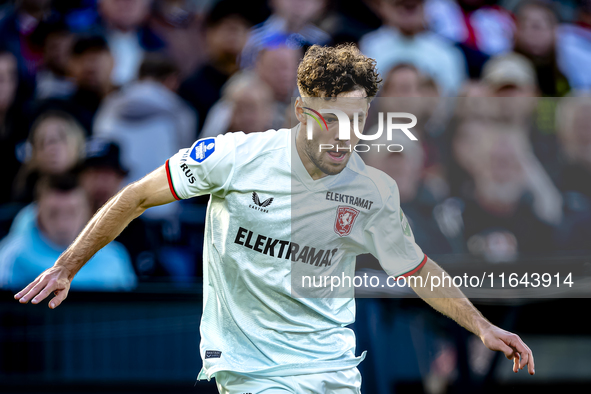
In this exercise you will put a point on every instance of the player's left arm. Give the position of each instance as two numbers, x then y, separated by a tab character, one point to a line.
453	303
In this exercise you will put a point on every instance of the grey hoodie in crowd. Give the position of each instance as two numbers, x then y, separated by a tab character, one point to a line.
150	123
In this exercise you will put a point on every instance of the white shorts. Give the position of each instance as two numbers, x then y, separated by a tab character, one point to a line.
346	381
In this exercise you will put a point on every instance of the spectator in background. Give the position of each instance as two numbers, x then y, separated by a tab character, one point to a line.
101	176
62	211
246	105
417	203
129	38
463	157
80	15
148	121
535	38
11	127
404	39
501	217
226	32
403	80
16	28
290	24
101	173
465	150
574	48
573	122
179	25
90	66
53	78
56	146
277	66
479	28
406	89
510	78
348	20
513	77
402	88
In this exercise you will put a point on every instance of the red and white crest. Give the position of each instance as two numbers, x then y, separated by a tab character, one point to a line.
344	221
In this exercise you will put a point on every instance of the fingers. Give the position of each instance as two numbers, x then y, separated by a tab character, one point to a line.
34	291
531	367
47	290
507	350
24	291
525	353
516	362
60	295
523	359
54	279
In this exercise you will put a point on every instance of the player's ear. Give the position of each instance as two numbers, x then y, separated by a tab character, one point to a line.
299	111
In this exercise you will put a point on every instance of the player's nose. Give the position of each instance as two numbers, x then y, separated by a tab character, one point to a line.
342	142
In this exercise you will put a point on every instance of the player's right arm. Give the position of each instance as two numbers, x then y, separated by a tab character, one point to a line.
105	226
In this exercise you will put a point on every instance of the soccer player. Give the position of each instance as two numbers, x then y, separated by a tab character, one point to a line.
280	206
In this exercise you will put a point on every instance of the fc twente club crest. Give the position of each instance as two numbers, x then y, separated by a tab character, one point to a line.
345	219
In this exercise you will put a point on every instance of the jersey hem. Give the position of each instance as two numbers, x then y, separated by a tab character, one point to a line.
288	369
169	177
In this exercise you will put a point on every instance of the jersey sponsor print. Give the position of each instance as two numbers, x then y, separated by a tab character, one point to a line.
267	224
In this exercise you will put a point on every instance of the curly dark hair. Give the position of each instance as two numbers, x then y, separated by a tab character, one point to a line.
327	71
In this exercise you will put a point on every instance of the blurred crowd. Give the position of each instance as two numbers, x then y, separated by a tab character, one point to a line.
94	94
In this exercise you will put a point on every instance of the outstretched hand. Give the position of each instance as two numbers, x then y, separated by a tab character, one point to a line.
55	279
514	348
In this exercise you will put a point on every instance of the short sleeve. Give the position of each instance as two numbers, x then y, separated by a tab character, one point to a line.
204	168
389	238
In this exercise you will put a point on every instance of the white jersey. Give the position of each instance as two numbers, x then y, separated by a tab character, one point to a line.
268	221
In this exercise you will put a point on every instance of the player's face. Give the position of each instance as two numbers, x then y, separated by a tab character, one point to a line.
326	153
